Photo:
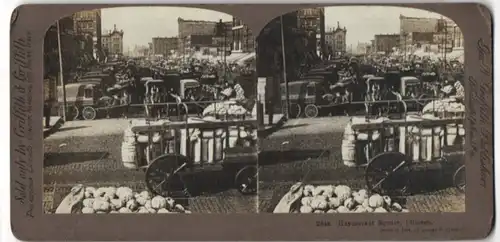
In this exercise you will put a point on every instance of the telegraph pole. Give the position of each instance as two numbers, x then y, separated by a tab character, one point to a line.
223	26
284	69
445	40
61	75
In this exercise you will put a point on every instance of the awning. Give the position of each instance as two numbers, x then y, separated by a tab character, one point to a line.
245	58
455	55
235	57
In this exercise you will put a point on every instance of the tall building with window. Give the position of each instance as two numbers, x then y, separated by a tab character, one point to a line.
164	45
335	40
442	32
88	23
112	42
70	48
243	39
386	42
187	28
312	20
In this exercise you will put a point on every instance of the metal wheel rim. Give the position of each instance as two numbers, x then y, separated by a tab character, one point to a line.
89	113
460	176
71	112
246	180
159	179
295	110
386	175
311	111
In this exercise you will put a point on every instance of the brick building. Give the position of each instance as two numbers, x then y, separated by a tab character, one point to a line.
386	42
89	23
200	27
163	45
69	49
112	42
226	39
438	31
312	20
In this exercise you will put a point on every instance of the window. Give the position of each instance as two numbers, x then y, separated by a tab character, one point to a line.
88	93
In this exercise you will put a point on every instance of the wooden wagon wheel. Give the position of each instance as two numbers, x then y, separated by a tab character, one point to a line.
420	103
295	110
388	173
162	175
311	111
72	112
246	180
89	113
459	178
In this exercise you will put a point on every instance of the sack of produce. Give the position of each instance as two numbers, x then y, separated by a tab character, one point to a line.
335	199
449	105
230	108
106	200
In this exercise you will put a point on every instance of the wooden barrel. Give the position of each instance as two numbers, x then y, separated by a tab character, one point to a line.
426	144
129	155
455	134
211	146
204	148
128	135
461	134
152	151
349	153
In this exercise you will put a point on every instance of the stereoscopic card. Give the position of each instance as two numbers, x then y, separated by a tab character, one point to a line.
252	122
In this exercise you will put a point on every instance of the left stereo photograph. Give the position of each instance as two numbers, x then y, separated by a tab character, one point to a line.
150	110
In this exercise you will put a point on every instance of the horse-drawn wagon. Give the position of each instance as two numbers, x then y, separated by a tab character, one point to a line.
169	150
391	149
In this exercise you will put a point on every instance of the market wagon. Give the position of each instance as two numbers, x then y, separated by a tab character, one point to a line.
169	150
83	100
391	149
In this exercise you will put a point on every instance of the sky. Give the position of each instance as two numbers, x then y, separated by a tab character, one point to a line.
141	24
363	22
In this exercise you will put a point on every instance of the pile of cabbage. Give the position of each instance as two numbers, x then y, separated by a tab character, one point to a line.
124	200
445	105
225	108
342	199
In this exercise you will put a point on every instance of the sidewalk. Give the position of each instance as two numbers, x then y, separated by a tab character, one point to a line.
56	123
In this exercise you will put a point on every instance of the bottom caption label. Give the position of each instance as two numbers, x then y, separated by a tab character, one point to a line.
393	226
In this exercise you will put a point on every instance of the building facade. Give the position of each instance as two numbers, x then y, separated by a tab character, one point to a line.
188	28
386	42
223	42
89	23
112	42
312	20
442	32
363	48
163	45
335	40
243	39
70	50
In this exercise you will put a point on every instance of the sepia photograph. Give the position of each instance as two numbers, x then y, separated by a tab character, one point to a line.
363	109
150	110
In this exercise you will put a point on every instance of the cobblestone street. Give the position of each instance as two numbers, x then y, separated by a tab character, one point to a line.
86	152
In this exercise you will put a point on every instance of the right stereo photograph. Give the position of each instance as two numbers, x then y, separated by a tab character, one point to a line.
363	109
